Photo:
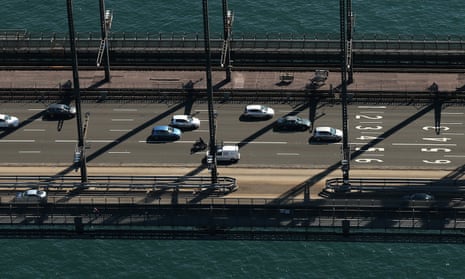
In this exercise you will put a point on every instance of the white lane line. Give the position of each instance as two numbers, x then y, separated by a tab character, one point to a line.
453	134
370	107
454	156
122	119
17	140
257	142
288	154
124	109
96	141
200	131
120	130
372	155
119	152
425	144
453	113
452	123
229	142
29	152
371	122
364	112
35	109
34	130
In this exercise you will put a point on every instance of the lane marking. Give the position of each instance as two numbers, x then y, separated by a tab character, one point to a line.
454	134
370	112
452	123
256	142
453	113
119	152
425	144
34	130
29	152
287	154
369	107
371	122
120	130
124	109
34	109
454	156
17	140
122	119
96	141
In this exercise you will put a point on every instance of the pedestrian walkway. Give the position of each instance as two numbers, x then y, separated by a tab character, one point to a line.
253	182
251	80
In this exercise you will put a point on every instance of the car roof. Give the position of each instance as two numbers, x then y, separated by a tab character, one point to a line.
323	129
254	107
230	148
57	105
32	192
290	118
162	128
181	116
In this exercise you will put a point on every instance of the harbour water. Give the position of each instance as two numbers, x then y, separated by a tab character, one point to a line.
233	259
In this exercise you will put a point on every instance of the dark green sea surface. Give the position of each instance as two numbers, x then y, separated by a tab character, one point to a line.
227	259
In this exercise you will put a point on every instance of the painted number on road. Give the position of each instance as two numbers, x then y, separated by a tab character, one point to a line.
442	162
368	160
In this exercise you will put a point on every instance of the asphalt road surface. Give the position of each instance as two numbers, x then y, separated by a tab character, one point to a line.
380	136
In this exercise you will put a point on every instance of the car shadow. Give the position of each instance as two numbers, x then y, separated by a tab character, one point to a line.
313	141
244	118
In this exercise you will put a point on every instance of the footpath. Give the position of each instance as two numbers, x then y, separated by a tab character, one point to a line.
259	80
253	183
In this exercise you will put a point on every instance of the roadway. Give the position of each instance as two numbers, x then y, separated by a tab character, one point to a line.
380	136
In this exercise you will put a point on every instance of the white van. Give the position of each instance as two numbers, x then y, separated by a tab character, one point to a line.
227	153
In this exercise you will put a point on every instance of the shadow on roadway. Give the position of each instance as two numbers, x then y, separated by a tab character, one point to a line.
305	186
124	137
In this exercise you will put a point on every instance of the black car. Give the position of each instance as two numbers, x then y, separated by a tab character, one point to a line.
61	111
292	123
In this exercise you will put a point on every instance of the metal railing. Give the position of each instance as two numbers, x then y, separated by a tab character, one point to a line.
106	183
288	42
391	184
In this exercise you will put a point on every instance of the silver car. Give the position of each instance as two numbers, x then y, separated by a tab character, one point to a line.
327	134
8	121
258	112
185	122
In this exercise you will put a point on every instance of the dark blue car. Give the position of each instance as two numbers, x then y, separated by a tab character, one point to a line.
165	133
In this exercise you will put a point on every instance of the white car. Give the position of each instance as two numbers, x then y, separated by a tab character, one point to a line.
227	154
185	122
32	195
327	134
258	112
8	121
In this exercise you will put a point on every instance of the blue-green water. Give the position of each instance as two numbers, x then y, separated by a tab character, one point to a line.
227	259
422	17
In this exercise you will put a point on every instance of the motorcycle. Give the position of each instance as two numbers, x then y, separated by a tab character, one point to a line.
198	146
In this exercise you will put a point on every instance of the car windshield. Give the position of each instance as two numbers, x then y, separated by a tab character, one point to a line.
333	131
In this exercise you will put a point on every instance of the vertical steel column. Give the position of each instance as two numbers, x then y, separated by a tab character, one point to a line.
77	91
345	164
350	29
211	113
104	31
226	33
